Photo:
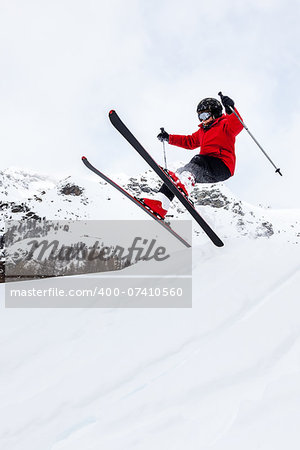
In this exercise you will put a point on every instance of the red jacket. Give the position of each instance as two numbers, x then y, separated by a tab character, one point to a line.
217	141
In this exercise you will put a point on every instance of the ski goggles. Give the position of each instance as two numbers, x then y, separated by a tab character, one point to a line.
204	116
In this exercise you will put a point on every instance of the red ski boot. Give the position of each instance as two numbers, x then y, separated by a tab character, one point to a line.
178	183
155	206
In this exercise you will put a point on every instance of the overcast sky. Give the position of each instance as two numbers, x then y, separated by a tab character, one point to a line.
65	63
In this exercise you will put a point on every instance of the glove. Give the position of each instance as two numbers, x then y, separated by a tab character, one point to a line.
227	102
163	136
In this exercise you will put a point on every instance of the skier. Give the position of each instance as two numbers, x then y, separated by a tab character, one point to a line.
216	160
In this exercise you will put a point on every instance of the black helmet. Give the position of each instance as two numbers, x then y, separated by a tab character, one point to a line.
212	105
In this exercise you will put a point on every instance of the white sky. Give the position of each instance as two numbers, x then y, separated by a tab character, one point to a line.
64	64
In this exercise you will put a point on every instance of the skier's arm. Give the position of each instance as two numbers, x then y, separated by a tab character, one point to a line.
233	122
190	142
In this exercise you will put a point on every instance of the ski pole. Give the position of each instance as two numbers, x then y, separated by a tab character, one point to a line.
246	128
164	147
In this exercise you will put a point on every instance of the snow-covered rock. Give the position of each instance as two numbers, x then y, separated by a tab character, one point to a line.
28	195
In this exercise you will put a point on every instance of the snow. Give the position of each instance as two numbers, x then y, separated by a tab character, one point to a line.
222	375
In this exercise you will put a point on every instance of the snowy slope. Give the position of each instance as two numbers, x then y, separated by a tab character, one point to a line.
223	374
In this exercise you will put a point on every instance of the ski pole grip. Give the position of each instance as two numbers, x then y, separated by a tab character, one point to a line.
221	95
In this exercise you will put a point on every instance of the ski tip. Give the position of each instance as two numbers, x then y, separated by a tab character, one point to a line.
83	158
111	112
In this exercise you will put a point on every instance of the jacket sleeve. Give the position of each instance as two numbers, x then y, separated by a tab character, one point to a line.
190	142
233	123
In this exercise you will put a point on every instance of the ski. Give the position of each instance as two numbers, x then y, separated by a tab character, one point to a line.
134	200
126	133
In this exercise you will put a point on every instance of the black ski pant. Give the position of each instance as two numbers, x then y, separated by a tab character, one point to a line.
205	169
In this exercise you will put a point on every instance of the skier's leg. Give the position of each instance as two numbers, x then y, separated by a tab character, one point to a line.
184	180
206	169
187	180
201	169
161	203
